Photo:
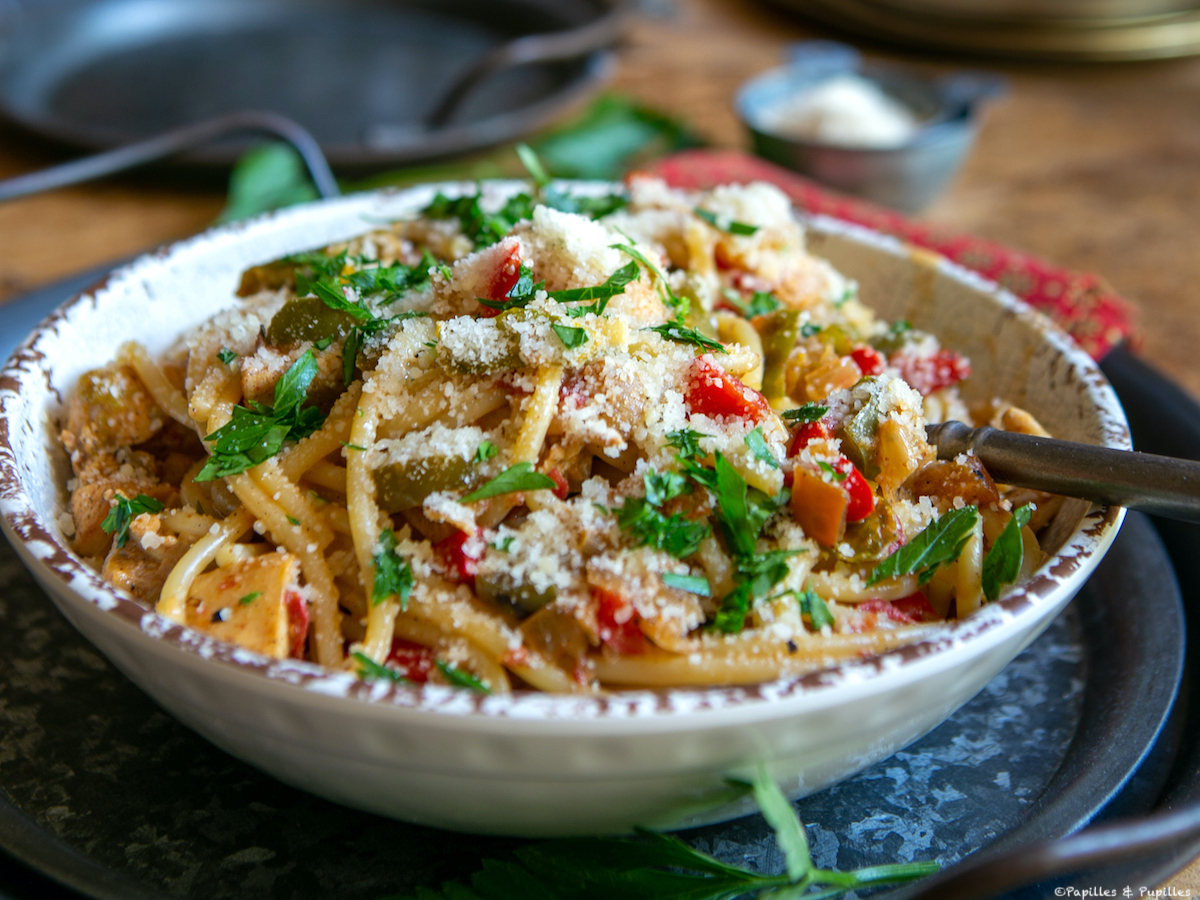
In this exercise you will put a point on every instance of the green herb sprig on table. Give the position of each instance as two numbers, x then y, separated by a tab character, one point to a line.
258	432
656	866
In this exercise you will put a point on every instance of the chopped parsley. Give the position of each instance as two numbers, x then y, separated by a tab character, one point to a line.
940	543
226	356
483	228
485	451
601	293
693	584
293	520
350	446
125	511
250	598
393	575
322	344
687	442
458	678
726	224
533	165
831	471
761	303
1003	562
676	535
758	447
257	433
570	336
808	329
518	477
809	412
681	334
679	304
369	670
503	544
664	486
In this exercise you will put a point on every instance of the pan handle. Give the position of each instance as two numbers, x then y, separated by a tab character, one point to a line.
534	48
176	141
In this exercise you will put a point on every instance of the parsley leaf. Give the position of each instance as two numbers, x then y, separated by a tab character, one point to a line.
503	544
483	228
393	575
831	471
602	293
257	434
693	584
755	577
322	344
458	678
533	165
758	446
681	334
687	442
809	412
226	355
1003	562
761	303
661	487
571	337
125	511
485	451
370	670
679	304
518	477
941	542
777	809
813	605
250	598
808	329
674	534
726	224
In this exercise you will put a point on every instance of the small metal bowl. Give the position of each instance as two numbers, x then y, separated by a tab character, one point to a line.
906	177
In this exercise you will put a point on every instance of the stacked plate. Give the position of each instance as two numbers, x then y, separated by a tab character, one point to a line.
1098	30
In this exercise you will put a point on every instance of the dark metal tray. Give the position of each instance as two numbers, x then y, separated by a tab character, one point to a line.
363	76
104	792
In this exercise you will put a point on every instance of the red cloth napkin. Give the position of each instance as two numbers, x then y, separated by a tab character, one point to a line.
1082	304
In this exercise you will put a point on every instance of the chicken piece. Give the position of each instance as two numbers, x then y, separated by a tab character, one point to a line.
256	603
141	566
90	505
110	408
950	479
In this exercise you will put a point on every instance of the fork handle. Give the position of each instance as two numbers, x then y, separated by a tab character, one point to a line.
1159	485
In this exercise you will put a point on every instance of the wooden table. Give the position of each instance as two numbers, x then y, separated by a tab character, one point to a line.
1095	168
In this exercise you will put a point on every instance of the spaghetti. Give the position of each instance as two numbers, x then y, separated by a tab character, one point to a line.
554	443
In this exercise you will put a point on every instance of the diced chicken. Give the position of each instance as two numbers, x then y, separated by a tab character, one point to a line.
110	408
256	603
141	567
90	505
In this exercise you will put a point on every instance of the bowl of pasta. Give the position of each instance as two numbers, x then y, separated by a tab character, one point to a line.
547	509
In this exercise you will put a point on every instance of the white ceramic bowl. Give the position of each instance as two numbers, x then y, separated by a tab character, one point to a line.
535	764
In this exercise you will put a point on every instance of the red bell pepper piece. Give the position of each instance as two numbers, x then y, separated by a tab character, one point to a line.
807	432
297	613
560	483
503	280
714	392
459	559
927	374
862	498
911	610
411	660
618	622
868	358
